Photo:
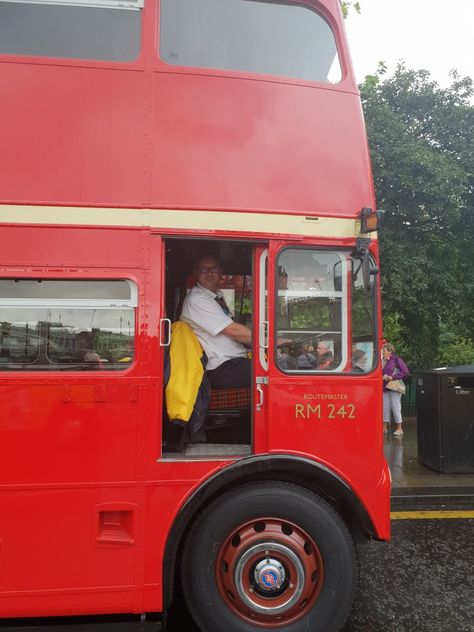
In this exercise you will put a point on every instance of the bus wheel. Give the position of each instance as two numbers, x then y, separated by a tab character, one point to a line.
269	555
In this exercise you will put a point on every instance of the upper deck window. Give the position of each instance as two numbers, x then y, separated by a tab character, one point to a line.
260	36
103	30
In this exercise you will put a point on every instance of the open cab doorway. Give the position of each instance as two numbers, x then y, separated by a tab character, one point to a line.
218	422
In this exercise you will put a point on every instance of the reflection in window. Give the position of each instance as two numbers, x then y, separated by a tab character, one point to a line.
237	291
39	331
274	38
64	30
364	357
317	291
310	311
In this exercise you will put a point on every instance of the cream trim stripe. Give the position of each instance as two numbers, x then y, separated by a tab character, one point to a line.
246	222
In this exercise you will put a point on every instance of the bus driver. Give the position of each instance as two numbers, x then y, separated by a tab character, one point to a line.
223	340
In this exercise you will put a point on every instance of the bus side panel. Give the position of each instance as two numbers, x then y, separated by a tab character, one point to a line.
59	541
62	433
248	152
72	446
79	134
114	250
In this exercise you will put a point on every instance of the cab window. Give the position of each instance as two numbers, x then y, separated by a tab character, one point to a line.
325	313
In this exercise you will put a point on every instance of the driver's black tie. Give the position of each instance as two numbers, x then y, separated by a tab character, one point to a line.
223	304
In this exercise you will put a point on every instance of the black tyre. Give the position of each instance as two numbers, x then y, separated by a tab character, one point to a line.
269	556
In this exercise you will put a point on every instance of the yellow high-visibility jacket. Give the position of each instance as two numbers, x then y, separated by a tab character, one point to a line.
186	372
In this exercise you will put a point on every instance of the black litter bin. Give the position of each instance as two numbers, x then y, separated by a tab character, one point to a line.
445	419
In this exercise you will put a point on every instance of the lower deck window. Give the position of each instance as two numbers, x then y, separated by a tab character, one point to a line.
48	325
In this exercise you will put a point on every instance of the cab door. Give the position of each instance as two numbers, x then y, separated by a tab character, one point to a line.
313	401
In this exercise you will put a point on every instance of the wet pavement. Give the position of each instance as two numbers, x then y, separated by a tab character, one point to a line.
423	580
408	473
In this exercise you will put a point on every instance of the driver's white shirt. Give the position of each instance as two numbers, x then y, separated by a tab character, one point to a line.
207	319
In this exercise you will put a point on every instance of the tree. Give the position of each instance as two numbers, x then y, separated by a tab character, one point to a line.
421	140
349	4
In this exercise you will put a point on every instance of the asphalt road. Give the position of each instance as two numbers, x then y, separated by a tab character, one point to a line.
422	581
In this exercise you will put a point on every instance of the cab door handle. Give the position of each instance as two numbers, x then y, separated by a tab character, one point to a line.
261	398
261	393
165	332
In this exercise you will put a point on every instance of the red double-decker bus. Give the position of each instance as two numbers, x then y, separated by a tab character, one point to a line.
137	137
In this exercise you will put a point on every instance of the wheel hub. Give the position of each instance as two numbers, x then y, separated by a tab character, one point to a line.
260	563
269	575
269	572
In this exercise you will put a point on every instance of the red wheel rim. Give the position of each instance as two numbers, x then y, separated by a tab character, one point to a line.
269	572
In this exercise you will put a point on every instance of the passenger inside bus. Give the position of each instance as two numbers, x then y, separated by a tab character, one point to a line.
325	360
93	359
359	361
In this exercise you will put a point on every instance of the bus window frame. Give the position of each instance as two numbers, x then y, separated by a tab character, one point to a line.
314	5
346	324
86	62
56	368
91	4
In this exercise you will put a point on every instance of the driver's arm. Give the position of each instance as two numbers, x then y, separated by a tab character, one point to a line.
238	332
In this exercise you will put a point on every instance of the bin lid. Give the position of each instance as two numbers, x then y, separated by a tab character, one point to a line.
464	369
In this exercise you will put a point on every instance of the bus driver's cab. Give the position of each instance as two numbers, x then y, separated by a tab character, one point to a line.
323	315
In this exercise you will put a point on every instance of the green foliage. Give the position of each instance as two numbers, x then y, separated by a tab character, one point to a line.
349	4
460	352
394	332
455	350
421	140
309	313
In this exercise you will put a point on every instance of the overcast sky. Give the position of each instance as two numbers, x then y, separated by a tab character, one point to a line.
436	35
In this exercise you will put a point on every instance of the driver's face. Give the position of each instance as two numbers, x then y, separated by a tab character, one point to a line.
208	273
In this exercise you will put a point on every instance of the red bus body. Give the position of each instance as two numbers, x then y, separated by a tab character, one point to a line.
101	163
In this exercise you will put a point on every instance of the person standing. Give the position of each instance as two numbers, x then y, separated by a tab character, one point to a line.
393	369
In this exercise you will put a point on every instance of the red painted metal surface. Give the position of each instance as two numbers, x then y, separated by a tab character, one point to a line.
149	134
87	502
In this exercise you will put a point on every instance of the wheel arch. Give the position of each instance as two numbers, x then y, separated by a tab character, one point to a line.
301	471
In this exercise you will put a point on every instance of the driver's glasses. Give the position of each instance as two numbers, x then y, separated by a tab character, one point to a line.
209	270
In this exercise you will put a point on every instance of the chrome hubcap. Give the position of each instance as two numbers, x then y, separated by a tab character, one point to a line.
269	575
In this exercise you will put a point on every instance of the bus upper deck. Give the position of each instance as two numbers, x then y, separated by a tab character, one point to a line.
180	105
